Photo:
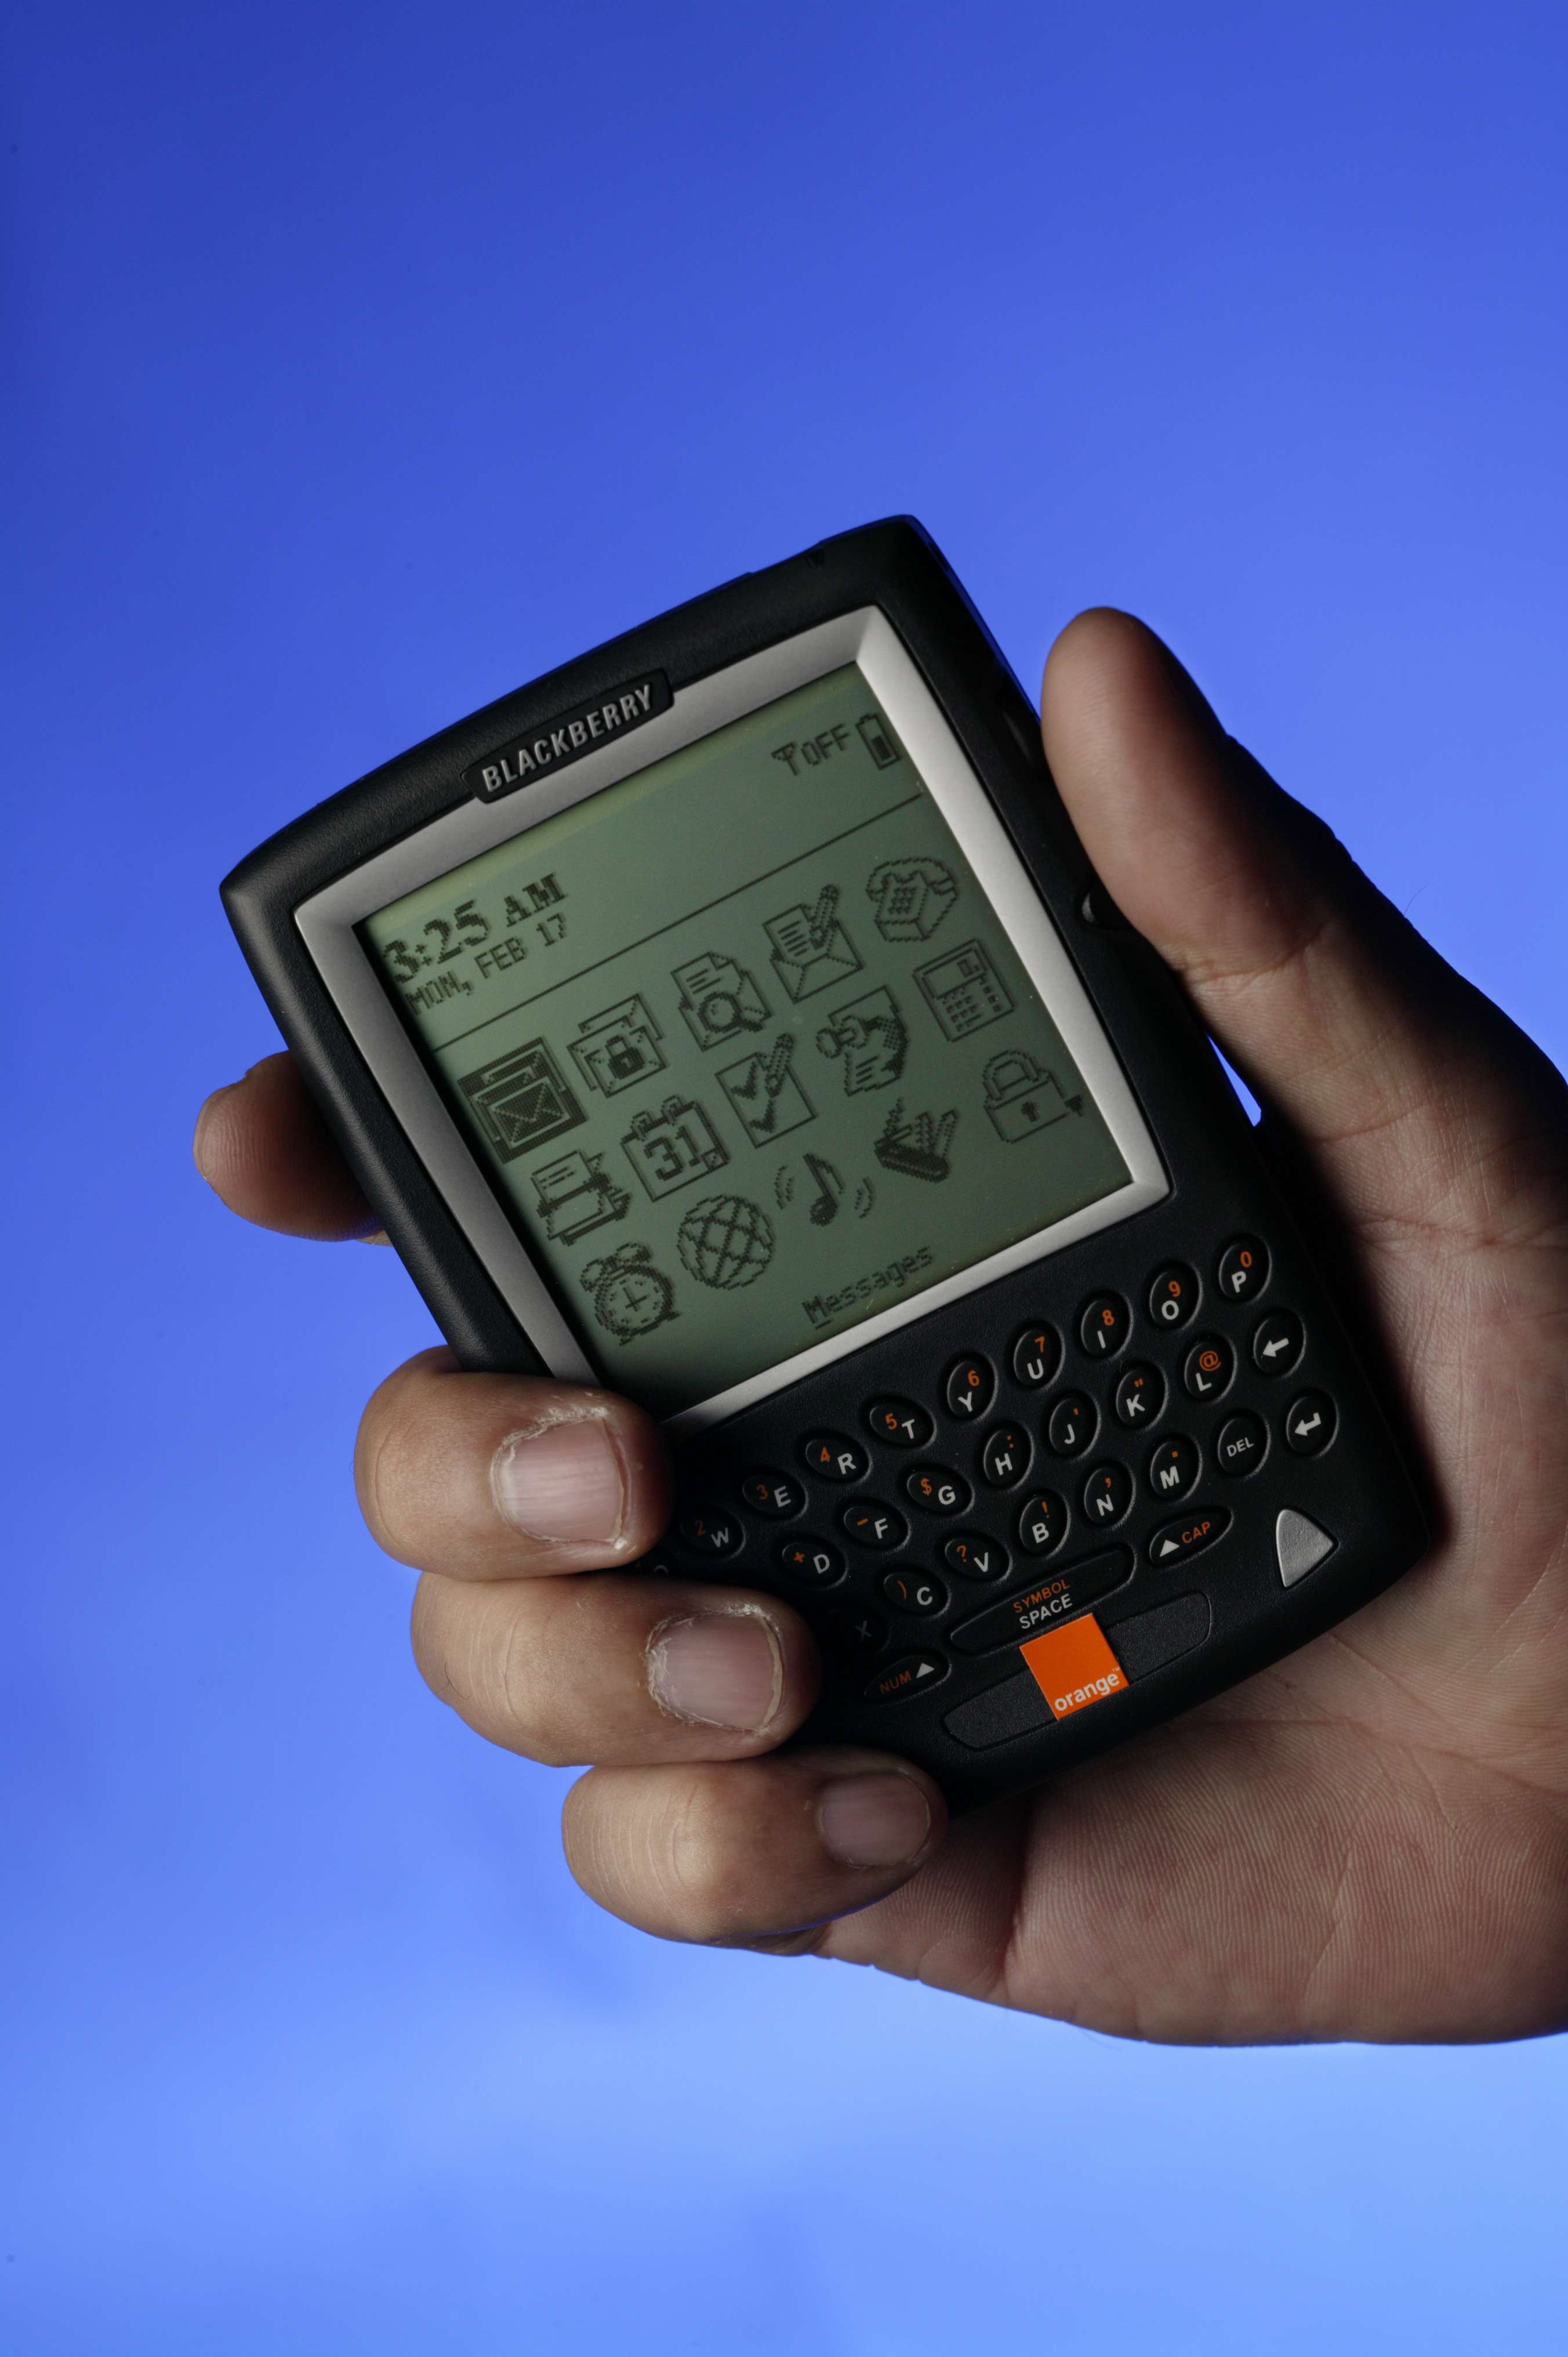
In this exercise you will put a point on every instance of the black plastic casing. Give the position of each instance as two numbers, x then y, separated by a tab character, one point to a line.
1358	1489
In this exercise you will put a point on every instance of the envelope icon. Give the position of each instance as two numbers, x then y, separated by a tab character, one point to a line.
521	1100
811	950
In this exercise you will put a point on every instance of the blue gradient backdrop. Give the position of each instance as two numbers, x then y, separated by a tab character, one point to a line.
363	362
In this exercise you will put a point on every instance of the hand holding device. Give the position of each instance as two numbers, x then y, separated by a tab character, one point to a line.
1187	1886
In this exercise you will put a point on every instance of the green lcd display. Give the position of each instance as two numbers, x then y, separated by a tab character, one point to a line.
743	1047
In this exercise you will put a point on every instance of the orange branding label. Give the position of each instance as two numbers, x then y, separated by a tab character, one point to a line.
1074	1666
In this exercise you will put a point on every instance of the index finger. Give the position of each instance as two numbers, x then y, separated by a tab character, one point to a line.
265	1150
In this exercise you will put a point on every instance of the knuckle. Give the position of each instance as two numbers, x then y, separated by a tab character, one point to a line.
376	1454
709	1862
398	1472
481	1652
429	1625
522	1696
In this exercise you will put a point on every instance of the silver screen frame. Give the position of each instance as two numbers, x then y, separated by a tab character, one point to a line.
327	922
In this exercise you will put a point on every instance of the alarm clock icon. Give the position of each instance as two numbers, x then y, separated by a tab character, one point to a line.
630	1295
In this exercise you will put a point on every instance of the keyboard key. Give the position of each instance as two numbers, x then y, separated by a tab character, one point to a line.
1174	1468
872	1525
777	1495
1207	1368
835	1456
708	1530
1037	1355
1042	1524
814	1563
1069	1427
1242	1269
918	1592
1106	1496
1173	1295
1243	1444
898	1424
1103	1325
976	1556
1277	1342
1201	1530
1055	1597
935	1491
1005	1456
1309	1424
969	1388
1139	1398
909	1674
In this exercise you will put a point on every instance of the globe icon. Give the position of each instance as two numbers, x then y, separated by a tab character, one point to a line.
725	1241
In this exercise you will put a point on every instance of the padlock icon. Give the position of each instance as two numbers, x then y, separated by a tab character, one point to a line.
1022	1098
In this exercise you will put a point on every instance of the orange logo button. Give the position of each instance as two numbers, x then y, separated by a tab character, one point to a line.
1074	1666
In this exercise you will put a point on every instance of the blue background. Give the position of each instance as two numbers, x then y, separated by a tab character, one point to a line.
365	361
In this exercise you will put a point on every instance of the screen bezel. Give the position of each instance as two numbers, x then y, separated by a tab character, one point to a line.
327	921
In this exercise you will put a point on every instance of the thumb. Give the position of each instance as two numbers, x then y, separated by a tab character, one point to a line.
1337	1014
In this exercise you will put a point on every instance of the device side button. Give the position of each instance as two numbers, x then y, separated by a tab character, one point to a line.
1014	1707
1149	1640
1095	907
1300	1545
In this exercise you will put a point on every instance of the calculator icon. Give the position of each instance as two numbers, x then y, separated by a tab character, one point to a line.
964	990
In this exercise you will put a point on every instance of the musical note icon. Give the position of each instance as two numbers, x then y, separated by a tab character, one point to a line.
830	1185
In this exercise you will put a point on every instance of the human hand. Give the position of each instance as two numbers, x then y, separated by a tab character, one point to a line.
1368	1840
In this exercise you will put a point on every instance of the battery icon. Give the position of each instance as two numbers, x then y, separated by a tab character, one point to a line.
878	743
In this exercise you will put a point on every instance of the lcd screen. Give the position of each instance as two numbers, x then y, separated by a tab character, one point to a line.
744	1048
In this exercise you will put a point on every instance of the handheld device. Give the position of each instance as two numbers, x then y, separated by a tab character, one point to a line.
733	1017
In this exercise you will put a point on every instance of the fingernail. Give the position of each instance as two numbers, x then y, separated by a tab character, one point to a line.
723	1669
562	1482
882	1820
